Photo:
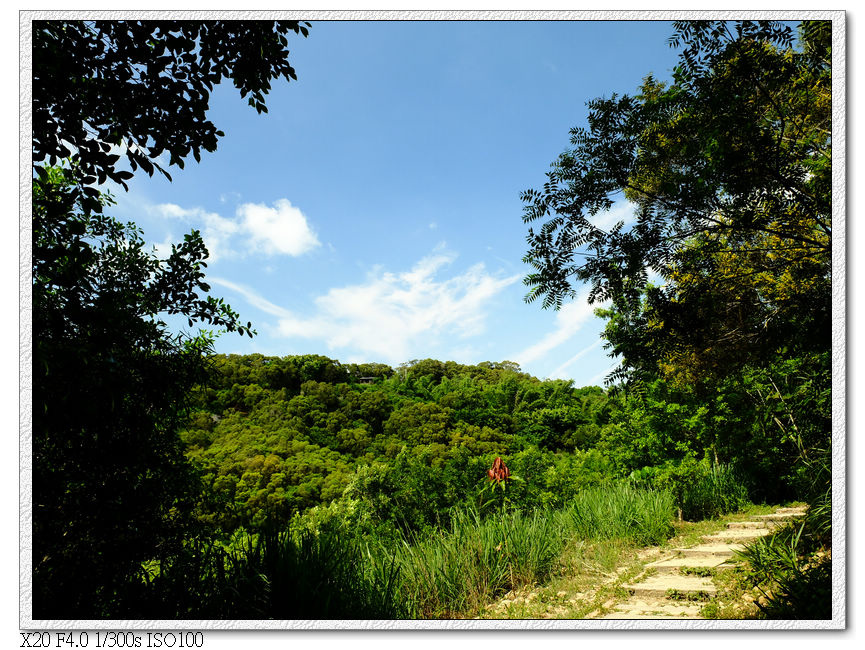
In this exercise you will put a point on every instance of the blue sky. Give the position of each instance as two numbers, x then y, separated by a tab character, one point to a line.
373	214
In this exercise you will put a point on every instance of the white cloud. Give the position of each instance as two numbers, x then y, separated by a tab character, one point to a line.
282	229
256	228
174	211
217	231
219	234
394	316
622	210
163	249
569	319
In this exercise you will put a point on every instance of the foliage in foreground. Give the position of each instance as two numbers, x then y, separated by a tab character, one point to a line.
273	575
326	568
111	381
792	568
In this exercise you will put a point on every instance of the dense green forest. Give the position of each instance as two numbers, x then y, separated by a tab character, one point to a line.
172	482
275	436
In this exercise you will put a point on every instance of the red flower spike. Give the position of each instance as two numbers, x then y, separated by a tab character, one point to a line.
499	471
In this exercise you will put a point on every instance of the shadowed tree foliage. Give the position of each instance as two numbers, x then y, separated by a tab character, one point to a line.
110	484
144	86
111	381
729	169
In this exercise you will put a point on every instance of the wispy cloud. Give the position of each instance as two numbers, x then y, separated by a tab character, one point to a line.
252	297
598	379
393	316
255	229
569	319
559	373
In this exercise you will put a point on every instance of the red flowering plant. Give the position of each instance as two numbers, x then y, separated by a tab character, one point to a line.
499	476
499	472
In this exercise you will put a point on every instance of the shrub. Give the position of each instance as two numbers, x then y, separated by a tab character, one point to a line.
793	567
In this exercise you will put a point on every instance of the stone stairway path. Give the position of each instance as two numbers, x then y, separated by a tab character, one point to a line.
679	584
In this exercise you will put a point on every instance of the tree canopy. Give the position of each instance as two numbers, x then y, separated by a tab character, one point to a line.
111	381
144	86
729	170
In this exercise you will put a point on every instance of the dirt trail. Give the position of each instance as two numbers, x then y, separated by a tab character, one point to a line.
680	583
672	584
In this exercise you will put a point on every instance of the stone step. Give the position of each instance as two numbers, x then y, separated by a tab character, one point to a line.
797	510
669	594
661	586
749	524
655	608
713	550
740	535
780	517
631	616
676	564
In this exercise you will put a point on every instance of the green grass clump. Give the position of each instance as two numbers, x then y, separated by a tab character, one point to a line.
688	596
273	575
716	491
625	512
457	572
792	568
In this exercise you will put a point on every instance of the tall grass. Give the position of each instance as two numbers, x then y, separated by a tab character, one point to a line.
717	491
274	576
327	575
458	571
624	512
453	572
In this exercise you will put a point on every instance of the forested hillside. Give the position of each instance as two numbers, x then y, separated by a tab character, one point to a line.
274	436
171	482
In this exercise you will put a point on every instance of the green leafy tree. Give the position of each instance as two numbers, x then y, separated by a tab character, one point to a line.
729	168
420	423
144	86
110	384
111	381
